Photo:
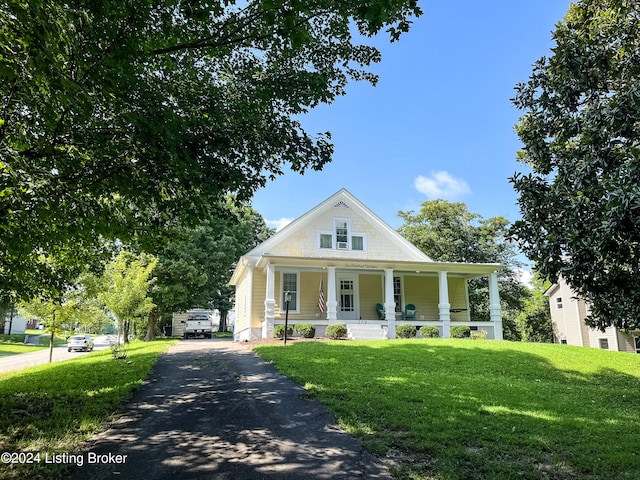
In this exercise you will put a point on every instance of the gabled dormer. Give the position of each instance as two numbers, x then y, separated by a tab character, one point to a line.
340	227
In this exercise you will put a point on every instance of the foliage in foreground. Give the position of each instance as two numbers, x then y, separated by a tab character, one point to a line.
579	196
195	100
458	409
55	407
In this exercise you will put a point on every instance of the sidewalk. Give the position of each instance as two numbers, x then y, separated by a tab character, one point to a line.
213	409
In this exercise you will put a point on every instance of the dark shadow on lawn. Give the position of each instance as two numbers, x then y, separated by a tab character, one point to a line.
219	412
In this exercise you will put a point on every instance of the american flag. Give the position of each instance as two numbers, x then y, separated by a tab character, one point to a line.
321	296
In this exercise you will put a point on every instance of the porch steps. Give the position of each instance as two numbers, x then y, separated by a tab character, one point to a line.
366	332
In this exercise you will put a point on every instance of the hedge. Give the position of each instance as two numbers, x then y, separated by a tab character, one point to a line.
305	330
460	331
278	331
405	331
335	332
429	331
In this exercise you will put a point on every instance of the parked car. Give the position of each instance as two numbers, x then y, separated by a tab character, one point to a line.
83	343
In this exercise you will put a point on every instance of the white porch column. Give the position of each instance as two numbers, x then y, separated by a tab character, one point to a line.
269	303
495	310
444	306
332	303
389	303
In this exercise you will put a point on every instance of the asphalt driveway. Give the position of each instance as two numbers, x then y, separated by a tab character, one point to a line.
213	409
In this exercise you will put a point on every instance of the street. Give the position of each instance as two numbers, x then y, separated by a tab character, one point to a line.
24	360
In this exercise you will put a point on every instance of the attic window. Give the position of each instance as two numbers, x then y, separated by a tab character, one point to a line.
559	303
326	240
342	234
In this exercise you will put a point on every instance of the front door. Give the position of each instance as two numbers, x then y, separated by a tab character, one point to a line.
348	308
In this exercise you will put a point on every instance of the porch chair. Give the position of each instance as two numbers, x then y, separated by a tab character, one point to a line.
380	310
409	312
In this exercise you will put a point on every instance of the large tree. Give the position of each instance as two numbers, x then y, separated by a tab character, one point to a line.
534	322
118	116
580	195
196	263
449	232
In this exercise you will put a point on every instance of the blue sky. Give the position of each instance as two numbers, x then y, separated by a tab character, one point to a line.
439	124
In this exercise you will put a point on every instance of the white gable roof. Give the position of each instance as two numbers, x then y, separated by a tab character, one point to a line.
300	238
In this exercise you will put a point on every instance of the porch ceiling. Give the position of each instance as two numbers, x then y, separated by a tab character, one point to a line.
467	270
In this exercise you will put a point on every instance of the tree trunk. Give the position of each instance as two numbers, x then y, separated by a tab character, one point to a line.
125	331
222	326
10	319
53	332
152	324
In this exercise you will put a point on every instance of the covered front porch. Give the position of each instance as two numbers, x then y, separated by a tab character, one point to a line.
331	291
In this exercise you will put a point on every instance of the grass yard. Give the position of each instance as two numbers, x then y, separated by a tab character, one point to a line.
474	409
53	408
14	345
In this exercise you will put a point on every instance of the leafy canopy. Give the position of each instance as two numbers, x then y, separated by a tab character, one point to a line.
126	284
580	201
195	265
449	232
118	116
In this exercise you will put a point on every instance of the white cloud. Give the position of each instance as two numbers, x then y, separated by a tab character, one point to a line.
441	185
524	276
279	223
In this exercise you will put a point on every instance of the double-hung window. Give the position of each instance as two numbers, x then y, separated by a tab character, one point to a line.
326	240
341	237
397	293
289	284
342	234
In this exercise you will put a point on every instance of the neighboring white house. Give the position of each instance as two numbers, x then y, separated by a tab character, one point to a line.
18	324
343	265
568	313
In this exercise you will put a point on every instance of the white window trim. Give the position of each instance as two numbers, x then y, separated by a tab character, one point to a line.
401	306
559	304
333	239
283	308
364	241
335	233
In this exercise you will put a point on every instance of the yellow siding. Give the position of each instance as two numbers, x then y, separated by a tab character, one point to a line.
379	243
309	294
307	297
259	291
242	304
458	298
423	293
371	292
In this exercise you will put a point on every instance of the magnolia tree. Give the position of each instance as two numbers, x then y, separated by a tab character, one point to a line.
579	194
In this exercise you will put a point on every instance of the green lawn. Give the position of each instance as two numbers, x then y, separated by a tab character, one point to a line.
55	407
17	348
14	344
474	409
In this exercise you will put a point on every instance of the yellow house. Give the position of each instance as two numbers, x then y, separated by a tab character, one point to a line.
342	264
